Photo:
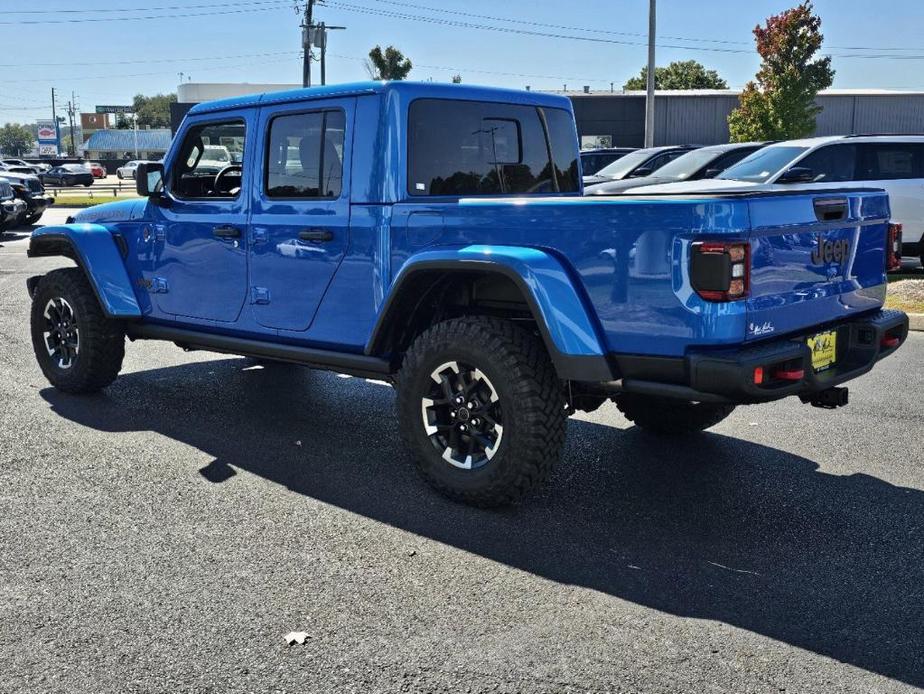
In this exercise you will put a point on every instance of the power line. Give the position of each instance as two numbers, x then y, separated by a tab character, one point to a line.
96	63
276	5
592	39
145	8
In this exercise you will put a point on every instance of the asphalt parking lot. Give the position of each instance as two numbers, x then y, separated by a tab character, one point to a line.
165	536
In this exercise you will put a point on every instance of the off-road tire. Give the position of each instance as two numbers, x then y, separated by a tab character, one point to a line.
32	219
671	417
101	340
530	399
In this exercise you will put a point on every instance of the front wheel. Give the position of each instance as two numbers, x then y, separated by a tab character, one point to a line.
33	219
482	410
119	175
671	417
78	349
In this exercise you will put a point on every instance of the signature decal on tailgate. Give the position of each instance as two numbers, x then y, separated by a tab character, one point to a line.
764	329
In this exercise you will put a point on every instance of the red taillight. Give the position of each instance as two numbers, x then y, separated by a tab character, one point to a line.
721	271
894	248
789	374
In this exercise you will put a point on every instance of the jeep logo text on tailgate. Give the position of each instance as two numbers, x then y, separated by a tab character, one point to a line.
827	251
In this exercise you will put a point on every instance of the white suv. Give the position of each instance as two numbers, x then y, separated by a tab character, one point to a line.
894	163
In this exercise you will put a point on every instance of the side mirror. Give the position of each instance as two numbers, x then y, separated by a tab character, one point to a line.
797	174
711	173
149	179
642	172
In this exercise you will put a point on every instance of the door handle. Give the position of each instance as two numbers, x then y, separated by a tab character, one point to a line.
227	232
316	235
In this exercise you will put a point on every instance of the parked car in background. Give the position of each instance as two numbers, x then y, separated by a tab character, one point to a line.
15	168
96	169
894	163
641	162
705	162
21	163
127	170
592	160
30	190
12	210
67	175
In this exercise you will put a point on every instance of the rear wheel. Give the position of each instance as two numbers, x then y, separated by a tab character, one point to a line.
78	349
482	410
671	417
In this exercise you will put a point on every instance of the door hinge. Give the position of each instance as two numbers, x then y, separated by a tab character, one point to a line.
259	295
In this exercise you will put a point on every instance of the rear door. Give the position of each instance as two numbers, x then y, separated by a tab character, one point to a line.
897	167
300	228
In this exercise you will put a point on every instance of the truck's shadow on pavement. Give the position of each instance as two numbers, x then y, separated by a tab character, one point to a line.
719	529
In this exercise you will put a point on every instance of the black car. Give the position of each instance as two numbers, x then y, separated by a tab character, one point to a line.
704	162
30	190
592	160
641	162
67	175
12	211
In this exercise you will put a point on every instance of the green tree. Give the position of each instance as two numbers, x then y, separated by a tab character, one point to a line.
153	111
780	103
681	74
16	139
389	64
457	79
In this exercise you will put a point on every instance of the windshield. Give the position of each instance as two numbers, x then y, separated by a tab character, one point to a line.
760	166
688	164
624	165
79	168
216	154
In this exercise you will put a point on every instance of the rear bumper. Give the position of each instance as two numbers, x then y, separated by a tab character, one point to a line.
728	376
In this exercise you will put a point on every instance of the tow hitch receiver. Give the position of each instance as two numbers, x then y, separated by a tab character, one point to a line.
828	399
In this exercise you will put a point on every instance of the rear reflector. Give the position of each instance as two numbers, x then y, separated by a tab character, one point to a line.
721	271
894	248
758	375
890	342
789	375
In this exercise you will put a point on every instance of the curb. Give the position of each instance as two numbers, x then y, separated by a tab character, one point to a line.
916	321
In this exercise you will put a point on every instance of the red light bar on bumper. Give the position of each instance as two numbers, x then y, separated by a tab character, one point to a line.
720	270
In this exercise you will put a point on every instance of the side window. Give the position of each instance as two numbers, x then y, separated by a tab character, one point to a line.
208	150
891	161
304	156
476	148
727	160
832	164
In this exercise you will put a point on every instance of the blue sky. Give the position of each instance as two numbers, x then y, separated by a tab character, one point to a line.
44	45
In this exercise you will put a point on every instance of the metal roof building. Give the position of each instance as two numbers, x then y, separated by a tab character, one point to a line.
115	144
701	116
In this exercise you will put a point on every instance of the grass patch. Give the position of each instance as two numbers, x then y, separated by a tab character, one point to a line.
906	305
87	201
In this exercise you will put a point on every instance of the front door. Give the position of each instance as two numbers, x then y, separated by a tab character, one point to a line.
200	262
301	210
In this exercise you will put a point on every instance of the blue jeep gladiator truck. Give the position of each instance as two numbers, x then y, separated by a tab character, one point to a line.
436	236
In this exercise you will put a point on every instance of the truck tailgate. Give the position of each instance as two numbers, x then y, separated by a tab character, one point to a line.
815	258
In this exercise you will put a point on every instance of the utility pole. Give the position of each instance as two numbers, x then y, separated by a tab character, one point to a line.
650	91
306	43
72	150
54	119
314	35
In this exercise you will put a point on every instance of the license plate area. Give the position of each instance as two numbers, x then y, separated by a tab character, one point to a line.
824	350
